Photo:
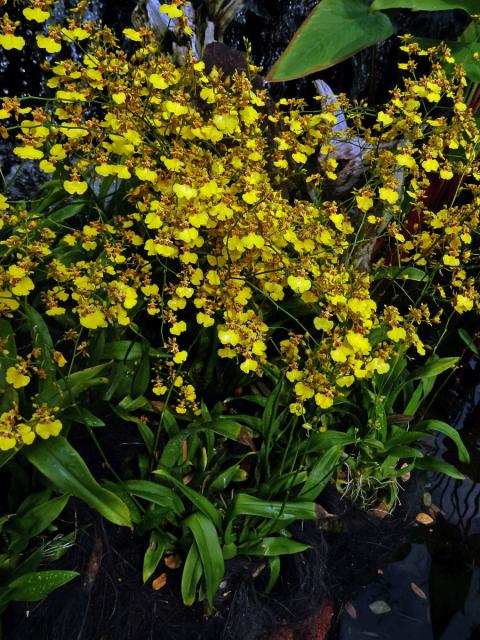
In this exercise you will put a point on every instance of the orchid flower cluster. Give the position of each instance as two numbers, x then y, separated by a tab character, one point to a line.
210	235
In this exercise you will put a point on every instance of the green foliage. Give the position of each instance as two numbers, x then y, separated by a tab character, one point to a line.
337	29
67	471
334	31
470	6
168	287
25	544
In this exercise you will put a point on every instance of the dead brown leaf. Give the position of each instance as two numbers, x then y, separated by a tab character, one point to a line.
424	518
159	582
417	591
173	562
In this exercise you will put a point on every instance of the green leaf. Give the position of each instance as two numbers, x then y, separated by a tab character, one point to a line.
141	379
437	465
83	416
401	438
32	587
320	474
222	426
221	482
247	505
37	519
321	441
275	546
192	573
210	552
42	340
65	213
270	422
470	6
156	494
67	471
8	336
69	388
469	341
153	554
401	273
415	400
450	432
334	31
147	436
6	456
433	369
274	566
402	451
123	350
200	502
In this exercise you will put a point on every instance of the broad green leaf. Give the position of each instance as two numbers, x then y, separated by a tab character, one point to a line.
6	456
334	31
32	587
210	552
221	482
192	573
67	471
274	566
70	387
465	50
320	441
401	273
450	432
147	436
37	519
42	340
153	554
321	473
141	379
470	6
65	213
247	505
8	336
134	404
256	399
156	494
169	422
468	340
125	496
433	369
123	350
437	465
270	422
224	427
402	451
401	438
200	502
467	56
275	546
415	400
82	415
254	422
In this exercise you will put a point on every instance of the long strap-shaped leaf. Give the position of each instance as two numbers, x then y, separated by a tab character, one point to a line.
200	502
222	426
66	469
192	573
210	552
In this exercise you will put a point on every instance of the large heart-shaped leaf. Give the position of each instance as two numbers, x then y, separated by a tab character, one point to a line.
334	31
470	6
